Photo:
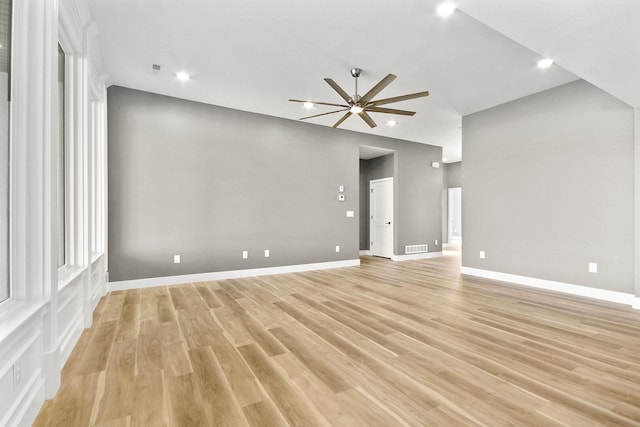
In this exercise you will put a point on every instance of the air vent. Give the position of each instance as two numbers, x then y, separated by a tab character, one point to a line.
155	67
416	249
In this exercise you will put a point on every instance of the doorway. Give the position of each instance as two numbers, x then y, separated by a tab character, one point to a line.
381	217
454	215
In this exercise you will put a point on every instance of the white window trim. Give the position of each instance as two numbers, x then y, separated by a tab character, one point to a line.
75	167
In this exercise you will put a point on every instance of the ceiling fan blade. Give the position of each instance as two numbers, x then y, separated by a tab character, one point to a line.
390	111
367	118
323	114
320	103
342	119
338	89
377	88
398	98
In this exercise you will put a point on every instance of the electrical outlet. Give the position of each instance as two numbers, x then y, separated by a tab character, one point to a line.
245	254
176	259
482	255
337	248
266	253
593	267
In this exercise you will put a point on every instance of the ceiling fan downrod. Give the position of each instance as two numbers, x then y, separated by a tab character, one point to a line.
355	72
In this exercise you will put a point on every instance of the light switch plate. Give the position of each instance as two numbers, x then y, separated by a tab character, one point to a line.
593	267
341	189
482	255
176	259
349	214
267	254
245	254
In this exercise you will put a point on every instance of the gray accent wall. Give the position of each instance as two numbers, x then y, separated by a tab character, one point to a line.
207	182
453	174
377	168
548	188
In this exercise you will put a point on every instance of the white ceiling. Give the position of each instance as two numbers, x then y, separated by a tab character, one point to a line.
254	55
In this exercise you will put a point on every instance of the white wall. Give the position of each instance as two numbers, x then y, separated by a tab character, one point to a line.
48	310
4	182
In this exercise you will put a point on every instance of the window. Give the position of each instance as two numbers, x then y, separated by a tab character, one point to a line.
5	98
61	202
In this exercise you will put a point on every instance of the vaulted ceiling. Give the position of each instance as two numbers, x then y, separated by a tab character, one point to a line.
254	55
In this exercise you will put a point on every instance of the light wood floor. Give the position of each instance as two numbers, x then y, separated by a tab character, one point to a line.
384	344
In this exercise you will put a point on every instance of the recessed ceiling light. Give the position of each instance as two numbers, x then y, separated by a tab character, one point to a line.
183	76
391	123
545	63
356	109
308	105
446	9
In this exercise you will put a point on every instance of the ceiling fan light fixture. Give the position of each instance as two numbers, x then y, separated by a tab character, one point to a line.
182	76
391	123
446	9
356	109
308	105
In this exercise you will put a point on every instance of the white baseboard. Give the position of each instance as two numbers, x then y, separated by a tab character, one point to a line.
365	253
568	288
411	257
222	275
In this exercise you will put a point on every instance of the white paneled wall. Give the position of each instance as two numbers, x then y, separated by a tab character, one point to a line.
50	307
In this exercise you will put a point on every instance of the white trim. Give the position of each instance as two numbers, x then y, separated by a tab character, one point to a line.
636	303
365	253
412	257
636	206
21	412
223	275
568	288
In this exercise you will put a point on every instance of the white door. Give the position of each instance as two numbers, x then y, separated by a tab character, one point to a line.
381	217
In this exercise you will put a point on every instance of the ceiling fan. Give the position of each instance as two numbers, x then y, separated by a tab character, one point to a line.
362	105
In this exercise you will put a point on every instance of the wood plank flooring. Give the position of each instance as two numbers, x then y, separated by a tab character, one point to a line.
384	344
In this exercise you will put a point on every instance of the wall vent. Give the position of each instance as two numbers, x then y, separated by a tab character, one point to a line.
416	249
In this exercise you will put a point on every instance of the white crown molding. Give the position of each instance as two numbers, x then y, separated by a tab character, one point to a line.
70	27
568	288
223	275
